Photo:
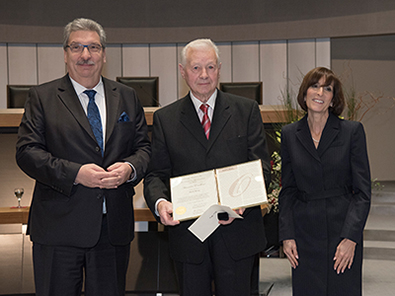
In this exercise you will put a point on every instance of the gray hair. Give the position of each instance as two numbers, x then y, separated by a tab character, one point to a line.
83	24
199	44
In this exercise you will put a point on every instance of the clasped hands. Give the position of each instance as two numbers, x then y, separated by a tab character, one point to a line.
93	176
165	210
343	258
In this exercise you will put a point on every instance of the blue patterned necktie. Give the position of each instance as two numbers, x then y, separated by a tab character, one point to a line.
94	118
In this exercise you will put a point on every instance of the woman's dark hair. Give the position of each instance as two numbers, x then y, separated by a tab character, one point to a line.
311	78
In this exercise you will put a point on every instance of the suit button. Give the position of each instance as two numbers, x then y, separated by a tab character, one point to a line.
99	196
97	149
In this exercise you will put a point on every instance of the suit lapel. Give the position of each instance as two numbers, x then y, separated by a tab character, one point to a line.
68	96
190	120
329	133
112	105
304	136
220	117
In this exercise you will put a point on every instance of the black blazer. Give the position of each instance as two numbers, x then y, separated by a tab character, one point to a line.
55	139
325	198
180	147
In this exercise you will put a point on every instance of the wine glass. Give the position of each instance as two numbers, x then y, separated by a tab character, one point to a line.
18	193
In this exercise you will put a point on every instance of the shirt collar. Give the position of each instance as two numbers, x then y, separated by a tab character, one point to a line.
79	89
210	102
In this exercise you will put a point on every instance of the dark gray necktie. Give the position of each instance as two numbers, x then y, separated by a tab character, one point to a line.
94	118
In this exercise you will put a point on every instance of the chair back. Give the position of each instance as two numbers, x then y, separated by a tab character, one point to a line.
147	89
251	90
17	95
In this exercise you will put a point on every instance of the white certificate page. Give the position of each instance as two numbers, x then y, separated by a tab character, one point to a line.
193	194
242	185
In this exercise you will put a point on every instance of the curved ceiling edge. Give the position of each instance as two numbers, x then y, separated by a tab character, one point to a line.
368	24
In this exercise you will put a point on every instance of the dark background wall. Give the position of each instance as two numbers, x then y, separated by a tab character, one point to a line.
367	65
142	21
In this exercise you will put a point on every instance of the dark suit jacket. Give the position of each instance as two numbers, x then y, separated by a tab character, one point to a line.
325	198
55	139
180	147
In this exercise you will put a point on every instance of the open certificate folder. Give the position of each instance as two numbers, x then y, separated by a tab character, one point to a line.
236	186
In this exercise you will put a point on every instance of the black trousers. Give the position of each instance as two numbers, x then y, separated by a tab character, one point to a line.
60	270
230	277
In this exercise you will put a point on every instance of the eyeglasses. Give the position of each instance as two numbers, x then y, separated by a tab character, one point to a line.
79	48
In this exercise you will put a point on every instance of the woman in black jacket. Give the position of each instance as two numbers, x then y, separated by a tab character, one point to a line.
325	199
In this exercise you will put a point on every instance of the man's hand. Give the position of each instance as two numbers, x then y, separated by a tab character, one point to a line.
344	255
165	210
121	172
290	249
93	176
230	220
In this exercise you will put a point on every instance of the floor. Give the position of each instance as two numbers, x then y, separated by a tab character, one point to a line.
16	275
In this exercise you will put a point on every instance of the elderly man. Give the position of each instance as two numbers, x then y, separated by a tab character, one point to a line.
207	129
83	138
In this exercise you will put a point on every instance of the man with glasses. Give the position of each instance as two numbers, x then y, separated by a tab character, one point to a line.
83	138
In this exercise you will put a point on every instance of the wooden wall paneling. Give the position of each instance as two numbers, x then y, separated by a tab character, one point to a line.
245	61
135	60
301	59
113	66
22	63
225	55
50	62
323	52
273	71
3	76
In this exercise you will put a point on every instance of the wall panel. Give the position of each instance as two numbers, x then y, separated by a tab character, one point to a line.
182	87
3	76
273	71
135	60
373	78
163	63
245	61
50	62
225	54
301	59
113	66
22	64
323	52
